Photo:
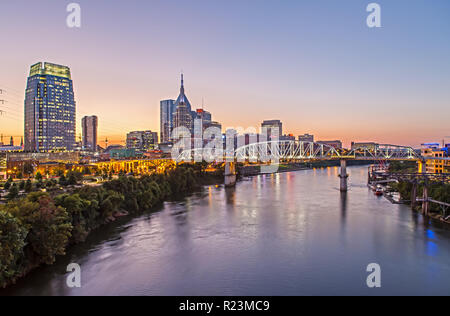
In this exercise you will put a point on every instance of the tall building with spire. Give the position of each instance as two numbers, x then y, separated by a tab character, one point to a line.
183	116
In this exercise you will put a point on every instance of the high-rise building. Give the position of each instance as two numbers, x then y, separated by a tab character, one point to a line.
337	144
142	140
49	109
306	138
204	116
89	126
3	169
274	128
167	111
184	116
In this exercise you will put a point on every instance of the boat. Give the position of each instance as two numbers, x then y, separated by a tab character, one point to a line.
379	191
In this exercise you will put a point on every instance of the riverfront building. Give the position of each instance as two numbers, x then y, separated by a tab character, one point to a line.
436	166
49	109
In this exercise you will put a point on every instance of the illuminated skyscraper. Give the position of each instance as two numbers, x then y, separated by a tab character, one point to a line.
167	111
89	124
183	116
49	109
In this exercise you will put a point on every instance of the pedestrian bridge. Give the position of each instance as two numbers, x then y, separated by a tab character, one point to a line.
298	151
275	152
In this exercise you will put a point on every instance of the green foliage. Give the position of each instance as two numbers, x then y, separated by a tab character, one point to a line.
48	225
403	166
13	192
63	180
8	184
28	168
12	243
28	186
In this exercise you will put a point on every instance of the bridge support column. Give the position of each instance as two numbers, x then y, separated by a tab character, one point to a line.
414	196
344	176
230	174
426	203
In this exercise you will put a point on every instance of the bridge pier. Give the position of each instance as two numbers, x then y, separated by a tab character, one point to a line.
230	174
344	176
414	195
425	203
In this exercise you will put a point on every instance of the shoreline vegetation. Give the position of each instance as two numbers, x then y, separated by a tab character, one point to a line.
38	227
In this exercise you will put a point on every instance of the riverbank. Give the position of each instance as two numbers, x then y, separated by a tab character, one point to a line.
438	190
39	227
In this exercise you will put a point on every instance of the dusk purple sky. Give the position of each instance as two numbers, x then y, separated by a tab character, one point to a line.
313	64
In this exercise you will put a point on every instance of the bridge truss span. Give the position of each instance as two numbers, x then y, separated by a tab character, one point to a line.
292	150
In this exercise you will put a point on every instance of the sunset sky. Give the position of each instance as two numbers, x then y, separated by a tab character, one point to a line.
313	64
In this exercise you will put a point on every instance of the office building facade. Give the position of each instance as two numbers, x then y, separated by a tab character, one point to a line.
273	129
306	138
142	140
167	112
50	115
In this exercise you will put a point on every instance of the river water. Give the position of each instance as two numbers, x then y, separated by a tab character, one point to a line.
283	234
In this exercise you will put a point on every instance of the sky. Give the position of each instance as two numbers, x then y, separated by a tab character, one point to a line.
314	64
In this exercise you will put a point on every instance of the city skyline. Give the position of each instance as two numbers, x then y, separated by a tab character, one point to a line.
350	83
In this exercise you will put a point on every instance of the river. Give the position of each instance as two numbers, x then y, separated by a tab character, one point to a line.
282	234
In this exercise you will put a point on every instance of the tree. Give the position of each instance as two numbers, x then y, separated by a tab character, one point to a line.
49	226
72	180
8	183
87	171
22	185
62	180
38	177
13	192
12	242
28	168
28	186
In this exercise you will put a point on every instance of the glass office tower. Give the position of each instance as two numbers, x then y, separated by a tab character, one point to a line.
89	125
49	109
167	111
